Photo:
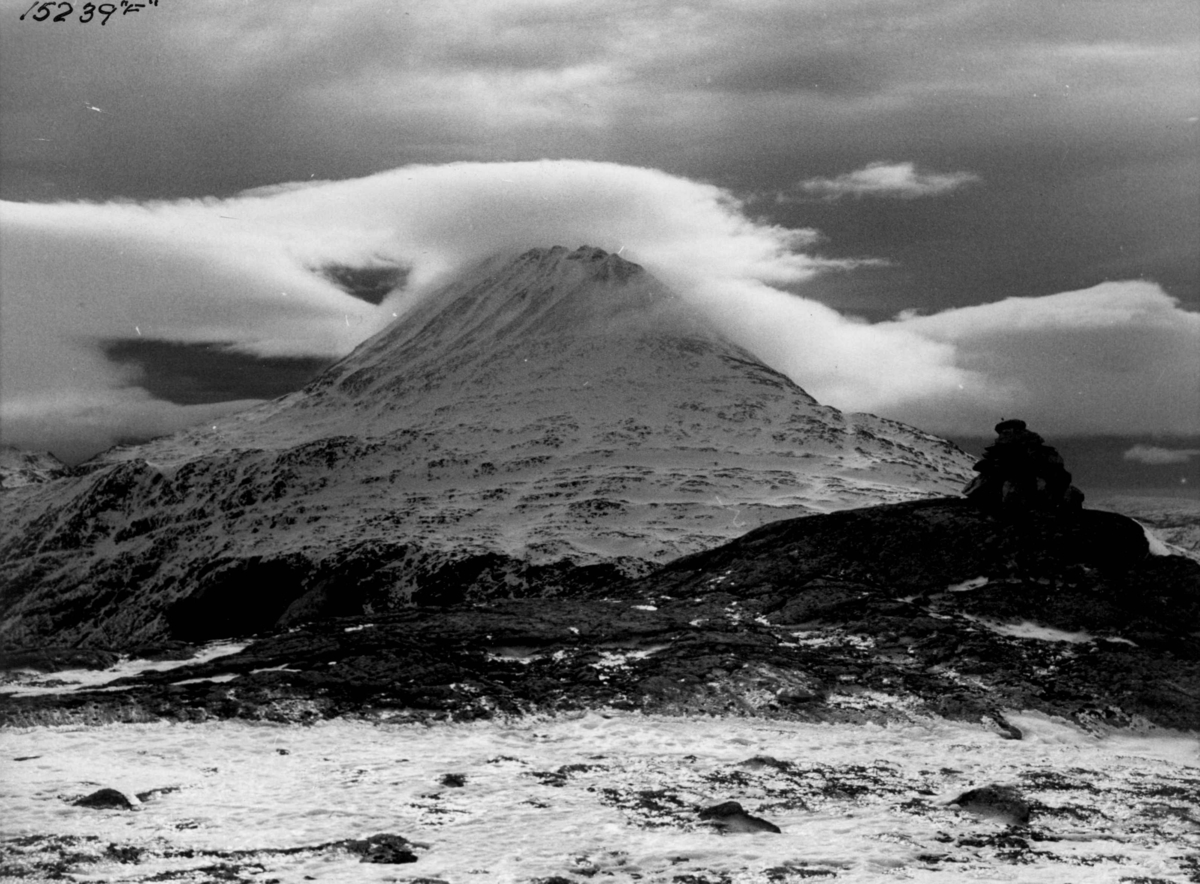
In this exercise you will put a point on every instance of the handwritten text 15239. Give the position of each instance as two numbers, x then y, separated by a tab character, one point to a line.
88	12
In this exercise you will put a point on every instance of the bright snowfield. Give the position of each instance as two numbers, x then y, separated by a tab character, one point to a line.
605	797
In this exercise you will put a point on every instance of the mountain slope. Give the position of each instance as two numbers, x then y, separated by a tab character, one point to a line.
540	425
18	467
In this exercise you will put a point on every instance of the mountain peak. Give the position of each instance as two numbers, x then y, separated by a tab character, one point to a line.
600	265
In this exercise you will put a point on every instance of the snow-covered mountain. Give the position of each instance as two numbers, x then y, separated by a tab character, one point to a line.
18	467
541	424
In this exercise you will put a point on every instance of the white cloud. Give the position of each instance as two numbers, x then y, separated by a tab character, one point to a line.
1155	456
900	180
1122	357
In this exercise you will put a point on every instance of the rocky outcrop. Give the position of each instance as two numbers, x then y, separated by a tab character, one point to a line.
923	608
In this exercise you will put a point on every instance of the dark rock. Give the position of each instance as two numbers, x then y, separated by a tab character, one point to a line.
383	848
124	853
1001	803
764	762
453	780
730	817
1020	472
110	799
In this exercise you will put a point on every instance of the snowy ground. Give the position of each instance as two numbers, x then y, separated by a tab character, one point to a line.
601	796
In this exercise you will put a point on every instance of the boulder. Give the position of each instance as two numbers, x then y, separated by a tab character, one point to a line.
108	799
1003	804
383	848
729	816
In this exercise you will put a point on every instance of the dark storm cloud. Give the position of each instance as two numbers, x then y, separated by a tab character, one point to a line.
213	98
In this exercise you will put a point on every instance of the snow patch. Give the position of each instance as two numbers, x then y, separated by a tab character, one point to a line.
1029	629
967	585
615	659
28	684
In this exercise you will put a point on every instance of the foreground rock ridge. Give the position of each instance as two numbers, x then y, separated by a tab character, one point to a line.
540	426
931	608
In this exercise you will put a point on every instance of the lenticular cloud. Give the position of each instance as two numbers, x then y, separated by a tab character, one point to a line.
240	271
900	180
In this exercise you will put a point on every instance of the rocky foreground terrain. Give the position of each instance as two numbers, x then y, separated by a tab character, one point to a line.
552	584
863	615
844	676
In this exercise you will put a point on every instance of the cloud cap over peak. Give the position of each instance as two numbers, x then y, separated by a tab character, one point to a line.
244	273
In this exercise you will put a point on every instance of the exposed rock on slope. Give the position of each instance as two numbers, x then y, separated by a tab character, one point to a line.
541	425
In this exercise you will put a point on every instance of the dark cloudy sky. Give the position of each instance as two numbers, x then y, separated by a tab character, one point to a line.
929	156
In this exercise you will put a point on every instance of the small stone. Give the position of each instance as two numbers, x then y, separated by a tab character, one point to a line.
454	780
108	799
795	695
730	817
383	848
761	762
1001	803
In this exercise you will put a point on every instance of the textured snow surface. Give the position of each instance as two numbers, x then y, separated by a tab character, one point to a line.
612	797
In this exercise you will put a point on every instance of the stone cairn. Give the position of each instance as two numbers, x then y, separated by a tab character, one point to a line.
1020	472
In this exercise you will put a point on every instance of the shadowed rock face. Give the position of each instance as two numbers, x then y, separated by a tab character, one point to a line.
541	426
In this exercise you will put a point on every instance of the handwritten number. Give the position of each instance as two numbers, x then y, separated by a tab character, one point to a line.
87	13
